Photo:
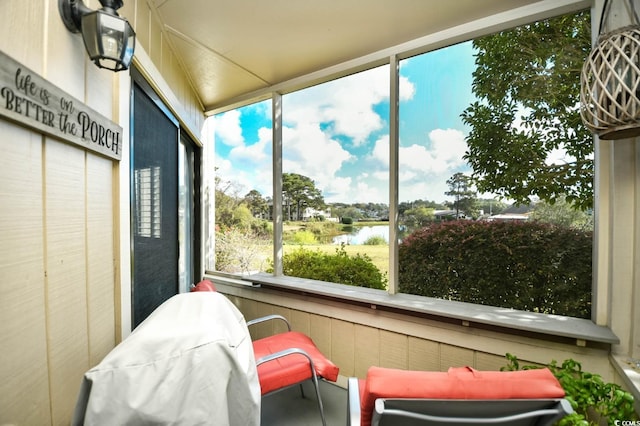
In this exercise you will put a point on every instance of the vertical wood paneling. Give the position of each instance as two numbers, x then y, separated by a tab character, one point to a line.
171	70
367	349
266	328
280	326
424	355
486	361
454	356
24	387
65	57
300	321
635	286
155	42
342	346
249	309
622	268
393	350
128	11
100	257
142	23
320	333
66	269
21	32
98	93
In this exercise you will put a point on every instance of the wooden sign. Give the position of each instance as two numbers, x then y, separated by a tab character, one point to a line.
33	102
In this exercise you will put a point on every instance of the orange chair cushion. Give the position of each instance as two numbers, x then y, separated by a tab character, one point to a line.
291	369
457	383
204	285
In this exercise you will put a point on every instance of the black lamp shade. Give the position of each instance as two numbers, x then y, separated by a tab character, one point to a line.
109	40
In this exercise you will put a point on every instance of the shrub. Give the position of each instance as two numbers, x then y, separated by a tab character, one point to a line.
322	228
527	266
347	220
238	250
303	237
355	270
591	398
375	240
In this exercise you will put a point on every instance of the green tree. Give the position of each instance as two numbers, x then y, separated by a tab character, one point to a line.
419	216
531	74
563	213
257	204
300	192
460	188
227	202
408	205
490	206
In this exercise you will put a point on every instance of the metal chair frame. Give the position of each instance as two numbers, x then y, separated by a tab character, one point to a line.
289	352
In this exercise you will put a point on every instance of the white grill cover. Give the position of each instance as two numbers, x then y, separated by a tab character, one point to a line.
190	362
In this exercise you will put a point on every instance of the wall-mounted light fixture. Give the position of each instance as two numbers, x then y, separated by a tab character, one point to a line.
610	80
108	38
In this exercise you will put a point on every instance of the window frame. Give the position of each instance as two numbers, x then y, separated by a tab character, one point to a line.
582	330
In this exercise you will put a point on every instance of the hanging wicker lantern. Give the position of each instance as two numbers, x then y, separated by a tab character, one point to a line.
610	82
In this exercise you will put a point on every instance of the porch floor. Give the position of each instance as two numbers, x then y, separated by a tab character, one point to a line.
287	407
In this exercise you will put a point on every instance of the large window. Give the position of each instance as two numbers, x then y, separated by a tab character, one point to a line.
494	175
335	163
495	171
241	191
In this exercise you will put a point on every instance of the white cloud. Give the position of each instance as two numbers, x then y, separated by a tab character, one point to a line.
370	192
248	166
228	129
258	153
442	155
317	119
407	89
424	169
448	147
380	152
347	104
310	152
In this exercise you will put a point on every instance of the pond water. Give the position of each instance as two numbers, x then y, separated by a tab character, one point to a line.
360	234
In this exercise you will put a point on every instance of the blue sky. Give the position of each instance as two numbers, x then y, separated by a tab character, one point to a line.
337	133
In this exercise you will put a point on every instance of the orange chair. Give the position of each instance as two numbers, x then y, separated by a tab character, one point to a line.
204	285
286	359
459	396
290	358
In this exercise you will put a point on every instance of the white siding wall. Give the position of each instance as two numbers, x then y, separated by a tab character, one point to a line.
64	233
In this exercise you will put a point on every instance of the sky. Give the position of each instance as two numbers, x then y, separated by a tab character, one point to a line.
337	133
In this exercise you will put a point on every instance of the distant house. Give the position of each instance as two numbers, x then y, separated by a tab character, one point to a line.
449	215
515	212
513	216
310	213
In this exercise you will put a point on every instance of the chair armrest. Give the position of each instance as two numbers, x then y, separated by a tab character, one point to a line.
267	318
353	405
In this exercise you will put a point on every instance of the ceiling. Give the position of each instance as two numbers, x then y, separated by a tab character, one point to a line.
234	47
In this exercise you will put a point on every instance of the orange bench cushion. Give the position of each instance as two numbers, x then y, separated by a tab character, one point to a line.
204	285
292	369
457	383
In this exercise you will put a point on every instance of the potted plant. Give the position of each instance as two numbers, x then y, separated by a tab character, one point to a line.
594	401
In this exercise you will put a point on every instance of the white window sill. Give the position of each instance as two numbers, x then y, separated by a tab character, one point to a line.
629	370
581	331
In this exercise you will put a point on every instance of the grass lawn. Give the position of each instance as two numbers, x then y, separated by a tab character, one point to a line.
379	254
